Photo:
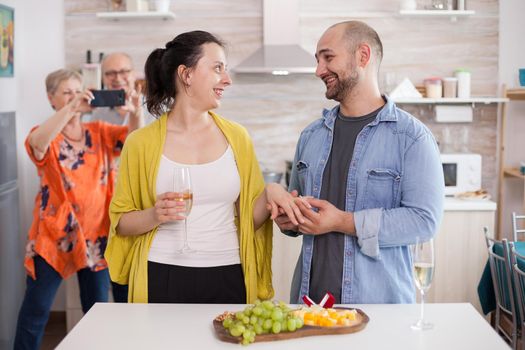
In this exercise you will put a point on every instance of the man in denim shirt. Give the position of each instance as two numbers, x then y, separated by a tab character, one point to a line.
372	173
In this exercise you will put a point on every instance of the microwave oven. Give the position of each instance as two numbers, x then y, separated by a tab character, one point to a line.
462	172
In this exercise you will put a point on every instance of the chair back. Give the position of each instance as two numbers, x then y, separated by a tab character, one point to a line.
501	275
515	230
517	262
499	260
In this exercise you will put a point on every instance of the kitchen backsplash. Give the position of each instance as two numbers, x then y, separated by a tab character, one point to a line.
479	136
275	109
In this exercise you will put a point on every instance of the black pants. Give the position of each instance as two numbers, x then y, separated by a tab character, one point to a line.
195	285
120	292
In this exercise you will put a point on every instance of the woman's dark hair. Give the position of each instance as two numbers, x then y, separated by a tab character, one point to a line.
161	67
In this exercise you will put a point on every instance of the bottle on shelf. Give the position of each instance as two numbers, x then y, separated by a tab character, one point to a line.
433	87
463	77
91	73
450	85
137	6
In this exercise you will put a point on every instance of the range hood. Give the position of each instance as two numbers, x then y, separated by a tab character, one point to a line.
280	53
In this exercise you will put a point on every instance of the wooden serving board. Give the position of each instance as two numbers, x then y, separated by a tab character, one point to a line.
305	331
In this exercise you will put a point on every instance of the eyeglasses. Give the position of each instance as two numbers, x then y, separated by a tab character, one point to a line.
112	74
69	92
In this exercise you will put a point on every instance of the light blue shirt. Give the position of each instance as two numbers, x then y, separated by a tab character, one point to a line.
395	188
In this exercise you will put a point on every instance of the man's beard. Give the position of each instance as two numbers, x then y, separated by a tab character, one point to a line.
343	87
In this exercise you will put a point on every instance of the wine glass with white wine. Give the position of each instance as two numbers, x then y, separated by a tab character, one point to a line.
423	272
184	199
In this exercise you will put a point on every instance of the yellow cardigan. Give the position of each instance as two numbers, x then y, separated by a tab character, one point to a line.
127	256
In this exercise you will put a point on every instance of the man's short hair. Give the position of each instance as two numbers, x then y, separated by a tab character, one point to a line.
106	57
357	32
54	79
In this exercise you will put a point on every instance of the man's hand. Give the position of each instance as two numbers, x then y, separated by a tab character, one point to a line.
284	223
328	218
133	104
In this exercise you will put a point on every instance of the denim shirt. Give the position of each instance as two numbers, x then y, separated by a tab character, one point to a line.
395	188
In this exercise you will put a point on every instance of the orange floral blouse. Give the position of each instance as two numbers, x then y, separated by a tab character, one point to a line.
70	219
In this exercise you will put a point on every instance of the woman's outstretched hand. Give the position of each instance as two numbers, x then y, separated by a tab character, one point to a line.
281	202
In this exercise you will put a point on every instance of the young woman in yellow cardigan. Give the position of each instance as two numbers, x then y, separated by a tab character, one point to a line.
229	227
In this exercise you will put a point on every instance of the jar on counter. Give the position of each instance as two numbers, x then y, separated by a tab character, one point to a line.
463	76
450	87
433	87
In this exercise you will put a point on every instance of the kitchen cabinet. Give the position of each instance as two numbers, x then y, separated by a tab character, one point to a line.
505	171
286	250
461	252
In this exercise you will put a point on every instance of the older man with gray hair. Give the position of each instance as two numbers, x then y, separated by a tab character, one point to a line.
117	74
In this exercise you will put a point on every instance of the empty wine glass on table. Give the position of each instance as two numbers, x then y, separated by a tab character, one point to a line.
184	198
423	271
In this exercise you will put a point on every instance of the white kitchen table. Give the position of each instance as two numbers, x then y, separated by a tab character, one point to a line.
189	326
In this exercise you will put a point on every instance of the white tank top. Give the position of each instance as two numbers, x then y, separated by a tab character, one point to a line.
212	232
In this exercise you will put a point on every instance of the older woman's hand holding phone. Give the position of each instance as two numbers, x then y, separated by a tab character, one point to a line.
82	102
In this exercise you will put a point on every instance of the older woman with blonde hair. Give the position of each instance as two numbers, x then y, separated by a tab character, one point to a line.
75	163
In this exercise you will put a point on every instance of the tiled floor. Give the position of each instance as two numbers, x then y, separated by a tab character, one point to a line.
55	330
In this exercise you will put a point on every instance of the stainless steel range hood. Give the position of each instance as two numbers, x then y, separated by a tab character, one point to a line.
281	53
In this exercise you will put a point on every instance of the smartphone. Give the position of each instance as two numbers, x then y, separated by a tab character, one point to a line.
108	98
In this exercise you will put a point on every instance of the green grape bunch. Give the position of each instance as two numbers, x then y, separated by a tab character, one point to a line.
263	317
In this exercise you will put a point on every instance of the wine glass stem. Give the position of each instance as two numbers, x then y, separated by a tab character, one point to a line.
185	233
422	304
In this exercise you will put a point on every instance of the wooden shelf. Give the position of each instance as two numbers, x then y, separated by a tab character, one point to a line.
507	172
349	14
516	94
118	15
385	14
437	13
478	99
513	172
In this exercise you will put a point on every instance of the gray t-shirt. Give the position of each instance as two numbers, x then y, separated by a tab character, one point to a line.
328	253
109	115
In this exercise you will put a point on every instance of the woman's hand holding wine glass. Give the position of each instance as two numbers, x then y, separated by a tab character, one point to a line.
169	207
